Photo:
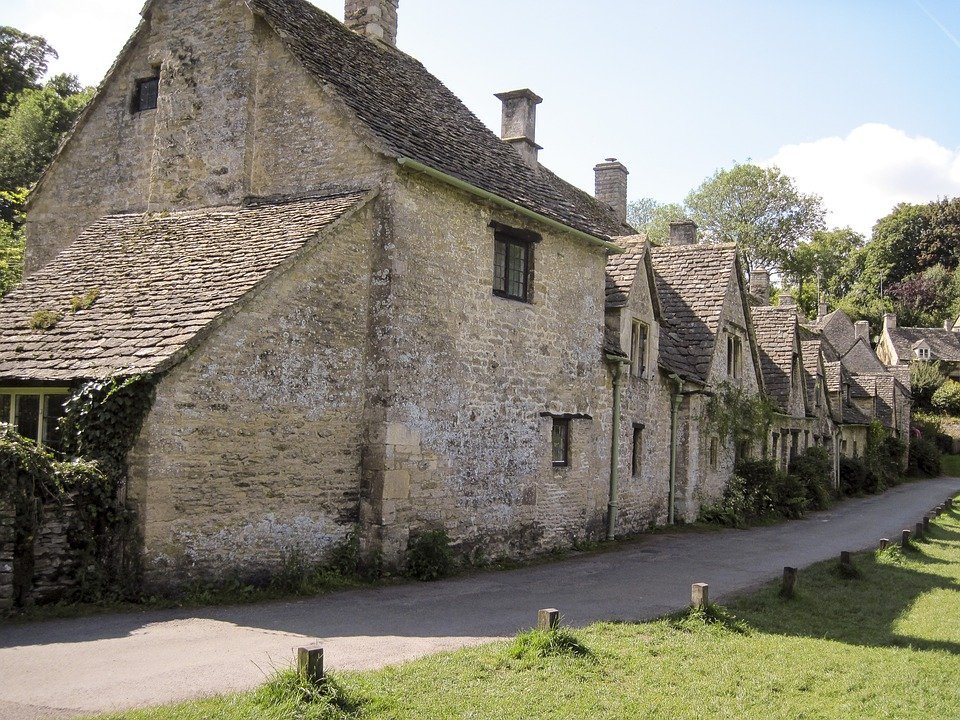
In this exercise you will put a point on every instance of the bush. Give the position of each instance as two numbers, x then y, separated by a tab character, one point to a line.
853	477
926	377
814	469
924	457
947	398
429	556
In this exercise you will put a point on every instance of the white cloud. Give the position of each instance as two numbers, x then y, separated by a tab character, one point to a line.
863	175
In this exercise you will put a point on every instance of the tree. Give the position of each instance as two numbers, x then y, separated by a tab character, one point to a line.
760	209
11	240
23	61
826	262
653	218
926	298
30	135
926	377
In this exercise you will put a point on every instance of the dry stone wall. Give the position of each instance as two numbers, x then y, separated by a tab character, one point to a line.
7	531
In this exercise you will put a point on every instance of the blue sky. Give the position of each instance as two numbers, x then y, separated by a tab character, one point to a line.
857	99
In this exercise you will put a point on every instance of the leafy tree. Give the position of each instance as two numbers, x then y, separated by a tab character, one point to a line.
30	135
760	209
924	299
653	219
23	61
926	377
11	240
824	263
947	398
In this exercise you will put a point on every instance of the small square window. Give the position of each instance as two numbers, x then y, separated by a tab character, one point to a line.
146	94
561	442
638	348
513	262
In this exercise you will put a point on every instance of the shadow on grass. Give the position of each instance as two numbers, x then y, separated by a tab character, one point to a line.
857	610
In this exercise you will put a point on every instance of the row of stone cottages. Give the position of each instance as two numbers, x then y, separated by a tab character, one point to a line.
365	312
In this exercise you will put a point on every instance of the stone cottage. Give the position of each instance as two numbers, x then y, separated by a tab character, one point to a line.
362	310
900	346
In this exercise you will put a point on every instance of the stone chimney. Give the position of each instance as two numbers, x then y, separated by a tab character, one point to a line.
948	324
760	285
822	311
862	330
889	321
683	232
519	124
376	19
611	186
787	300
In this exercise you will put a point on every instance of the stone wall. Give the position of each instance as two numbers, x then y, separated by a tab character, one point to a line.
6	555
55	562
466	439
250	457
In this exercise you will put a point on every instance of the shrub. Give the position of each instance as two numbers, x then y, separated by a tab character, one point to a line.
735	508
924	457
814	468
926	377
853	476
947	398
429	556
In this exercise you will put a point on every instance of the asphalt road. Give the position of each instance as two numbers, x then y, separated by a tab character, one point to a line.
64	668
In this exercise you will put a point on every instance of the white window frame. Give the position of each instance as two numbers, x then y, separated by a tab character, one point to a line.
923	353
43	392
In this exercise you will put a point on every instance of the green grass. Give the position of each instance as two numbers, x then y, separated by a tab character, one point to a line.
883	642
950	465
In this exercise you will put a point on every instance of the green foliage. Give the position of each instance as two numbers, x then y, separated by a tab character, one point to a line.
882	458
429	556
735	415
85	301
653	219
828	260
23	61
925	457
814	469
926	377
537	644
32	132
44	320
854	479
12	243
947	398
760	209
713	619
290	694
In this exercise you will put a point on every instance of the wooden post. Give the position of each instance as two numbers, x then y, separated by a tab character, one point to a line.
905	539
926	524
884	543
699	596
548	619
918	531
310	663
845	558
938	510
789	581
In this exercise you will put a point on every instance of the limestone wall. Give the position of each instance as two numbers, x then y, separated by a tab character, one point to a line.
466	445
6	555
55	562
250	457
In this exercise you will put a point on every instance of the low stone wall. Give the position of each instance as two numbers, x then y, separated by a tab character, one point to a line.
6	556
55	561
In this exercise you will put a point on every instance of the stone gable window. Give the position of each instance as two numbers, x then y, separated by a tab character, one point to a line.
640	334
560	440
734	355
34	413
513	262
146	93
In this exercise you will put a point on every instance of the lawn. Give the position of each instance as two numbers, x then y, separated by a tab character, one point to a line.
884	644
950	465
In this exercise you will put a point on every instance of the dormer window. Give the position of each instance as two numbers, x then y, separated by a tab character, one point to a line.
146	93
734	355
923	353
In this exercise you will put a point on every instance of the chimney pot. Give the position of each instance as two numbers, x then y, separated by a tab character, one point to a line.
787	300
683	232
760	285
948	325
889	321
518	124
862	328
375	19
610	183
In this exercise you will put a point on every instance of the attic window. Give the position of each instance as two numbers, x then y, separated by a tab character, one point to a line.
734	355
923	353
146	93
638	349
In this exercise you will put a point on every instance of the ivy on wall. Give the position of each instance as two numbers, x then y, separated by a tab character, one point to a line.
736	415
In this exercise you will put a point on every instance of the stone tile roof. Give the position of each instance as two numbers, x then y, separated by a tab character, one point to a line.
158	280
944	344
414	115
884	388
849	414
861	358
692	283
811	350
622	269
775	329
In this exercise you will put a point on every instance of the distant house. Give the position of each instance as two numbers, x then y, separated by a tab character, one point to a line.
900	346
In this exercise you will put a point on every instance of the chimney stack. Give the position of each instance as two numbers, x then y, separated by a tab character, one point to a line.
889	321
862	329
611	186
787	300
948	325
683	232
822	310
519	124
376	19
760	285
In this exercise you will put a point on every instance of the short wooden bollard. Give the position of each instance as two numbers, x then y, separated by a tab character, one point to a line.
845	558
926	524
548	619
310	663
905	538
699	596
789	581
918	531
884	543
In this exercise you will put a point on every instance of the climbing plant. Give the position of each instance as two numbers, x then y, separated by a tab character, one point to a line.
736	415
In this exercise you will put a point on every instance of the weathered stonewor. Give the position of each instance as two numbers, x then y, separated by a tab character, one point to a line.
55	561
6	556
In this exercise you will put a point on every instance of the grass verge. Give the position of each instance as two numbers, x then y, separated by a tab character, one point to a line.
950	465
881	642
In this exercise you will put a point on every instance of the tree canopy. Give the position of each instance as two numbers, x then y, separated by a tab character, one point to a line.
23	61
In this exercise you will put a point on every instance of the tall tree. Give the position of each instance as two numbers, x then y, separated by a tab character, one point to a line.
758	208
827	261
653	218
23	61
